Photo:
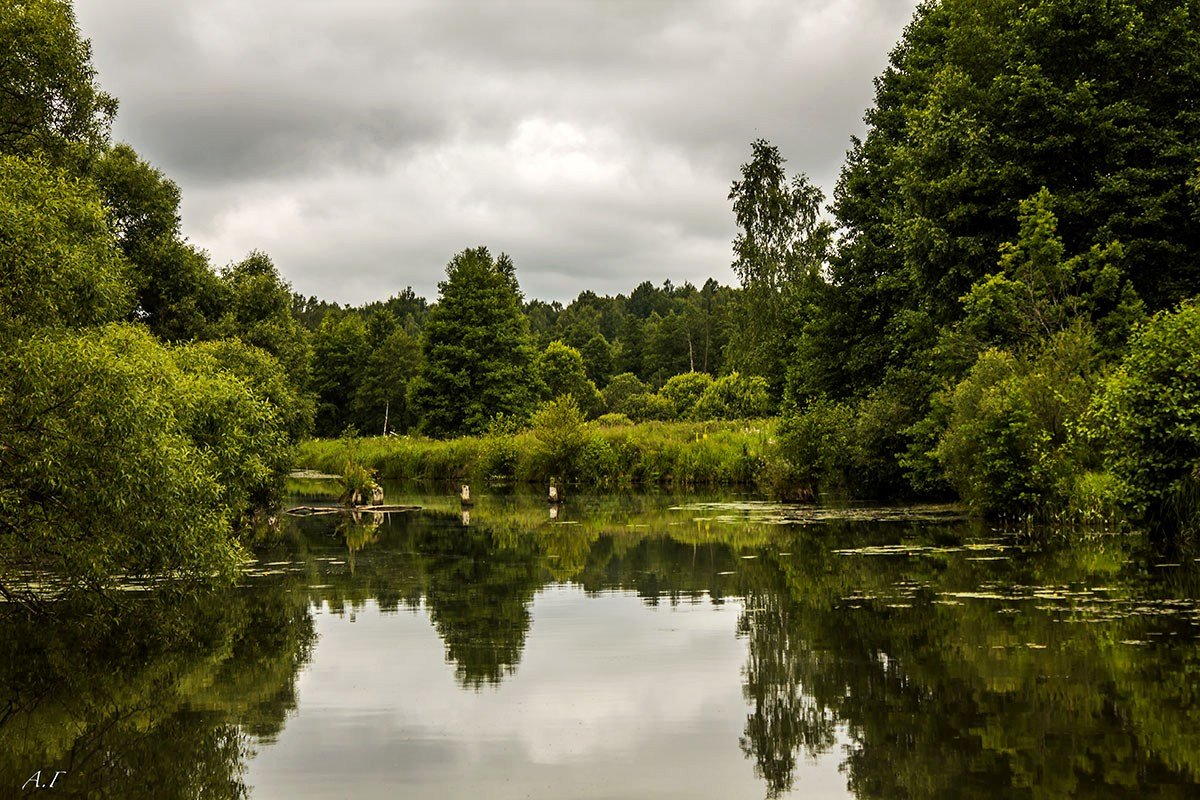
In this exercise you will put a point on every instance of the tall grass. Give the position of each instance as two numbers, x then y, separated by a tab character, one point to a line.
649	453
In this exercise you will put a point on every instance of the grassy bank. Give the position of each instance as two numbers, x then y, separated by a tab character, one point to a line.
649	453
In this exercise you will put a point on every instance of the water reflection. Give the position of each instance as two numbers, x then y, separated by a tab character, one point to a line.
916	658
149	698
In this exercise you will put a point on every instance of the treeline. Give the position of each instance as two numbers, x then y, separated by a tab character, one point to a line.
648	356
1002	306
148	404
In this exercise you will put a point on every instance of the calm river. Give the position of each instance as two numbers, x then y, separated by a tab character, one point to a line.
641	646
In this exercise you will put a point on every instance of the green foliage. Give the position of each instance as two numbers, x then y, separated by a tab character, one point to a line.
358	484
478	355
813	444
177	294
597	359
782	245
562	373
560	430
340	351
620	389
734	396
258	310
1038	292
52	105
1011	444
1147	414
613	420
238	407
646	407
109	466
980	108
687	454
382	394
61	264
684	391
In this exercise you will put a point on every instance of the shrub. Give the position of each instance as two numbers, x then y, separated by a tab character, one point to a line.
649	407
560	433
1148	416
813	444
1011	443
734	396
614	420
358	484
684	391
620	389
560	368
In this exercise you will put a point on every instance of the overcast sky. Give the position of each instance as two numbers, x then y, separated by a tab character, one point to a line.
361	143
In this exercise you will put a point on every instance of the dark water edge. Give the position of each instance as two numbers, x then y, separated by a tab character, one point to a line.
638	645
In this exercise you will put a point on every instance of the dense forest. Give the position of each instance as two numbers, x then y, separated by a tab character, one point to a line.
997	304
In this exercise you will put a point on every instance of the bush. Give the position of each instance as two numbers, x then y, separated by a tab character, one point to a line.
1148	416
560	433
684	391
561	370
813	444
620	389
118	462
734	396
358	484
649	407
614	420
1011	443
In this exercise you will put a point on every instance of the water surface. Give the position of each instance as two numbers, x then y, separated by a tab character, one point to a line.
650	646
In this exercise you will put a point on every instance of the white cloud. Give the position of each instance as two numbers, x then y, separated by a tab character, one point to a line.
363	143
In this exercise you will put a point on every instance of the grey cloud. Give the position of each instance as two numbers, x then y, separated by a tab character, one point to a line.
363	142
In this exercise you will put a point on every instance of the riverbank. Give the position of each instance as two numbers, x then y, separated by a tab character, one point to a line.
645	454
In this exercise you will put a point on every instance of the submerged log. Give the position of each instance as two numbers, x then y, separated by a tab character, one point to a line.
313	511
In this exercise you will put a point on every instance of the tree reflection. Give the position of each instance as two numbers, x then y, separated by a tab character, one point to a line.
156	697
1059	668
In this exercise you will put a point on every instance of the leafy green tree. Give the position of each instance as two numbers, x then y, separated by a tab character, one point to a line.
979	108
1148	415
1011	445
478	355
781	247
52	106
560	430
340	352
99	473
382	394
630	355
669	348
258	310
62	266
237	407
620	389
178	294
1039	291
648	407
597	359
560	368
